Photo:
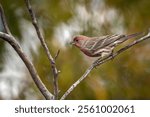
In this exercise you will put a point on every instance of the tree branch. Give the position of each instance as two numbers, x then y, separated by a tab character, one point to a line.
12	41
6	29
99	61
44	45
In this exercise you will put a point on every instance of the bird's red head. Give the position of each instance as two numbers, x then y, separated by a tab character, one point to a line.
79	40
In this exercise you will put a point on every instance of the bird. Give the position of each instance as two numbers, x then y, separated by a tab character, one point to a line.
100	46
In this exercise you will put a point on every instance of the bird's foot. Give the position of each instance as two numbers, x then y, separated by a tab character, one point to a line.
96	63
112	56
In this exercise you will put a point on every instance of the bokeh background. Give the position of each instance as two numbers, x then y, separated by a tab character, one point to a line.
125	77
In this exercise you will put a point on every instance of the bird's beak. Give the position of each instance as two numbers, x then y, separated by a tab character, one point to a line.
72	43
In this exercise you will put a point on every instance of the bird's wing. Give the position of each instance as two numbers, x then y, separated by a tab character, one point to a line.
113	40
107	41
89	44
100	42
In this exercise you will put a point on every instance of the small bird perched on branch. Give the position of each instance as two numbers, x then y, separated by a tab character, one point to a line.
100	46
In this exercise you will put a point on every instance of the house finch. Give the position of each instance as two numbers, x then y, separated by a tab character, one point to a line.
100	46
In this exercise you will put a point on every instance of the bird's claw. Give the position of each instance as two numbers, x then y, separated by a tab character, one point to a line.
112	55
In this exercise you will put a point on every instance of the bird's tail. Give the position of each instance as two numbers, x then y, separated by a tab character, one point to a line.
129	37
125	38
133	35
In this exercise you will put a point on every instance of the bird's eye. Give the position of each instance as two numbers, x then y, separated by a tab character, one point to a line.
76	40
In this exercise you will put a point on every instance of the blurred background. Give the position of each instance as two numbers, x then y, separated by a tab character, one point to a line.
125	77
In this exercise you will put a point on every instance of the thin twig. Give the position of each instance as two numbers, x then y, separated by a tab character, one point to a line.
55	80
57	54
44	45
98	62
77	82
6	29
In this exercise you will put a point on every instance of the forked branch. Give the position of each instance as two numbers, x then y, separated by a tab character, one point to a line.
13	42
44	45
